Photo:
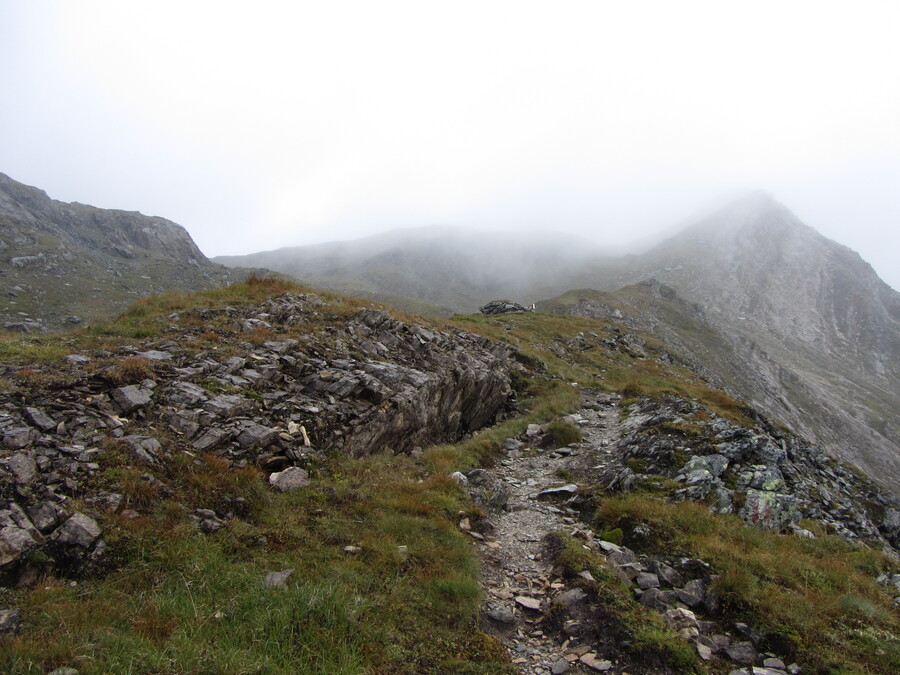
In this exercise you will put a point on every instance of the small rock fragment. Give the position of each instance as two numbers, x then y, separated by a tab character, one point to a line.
278	578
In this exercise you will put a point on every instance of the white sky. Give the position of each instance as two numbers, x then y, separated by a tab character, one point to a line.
263	124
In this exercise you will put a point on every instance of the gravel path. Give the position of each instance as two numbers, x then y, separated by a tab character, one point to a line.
518	582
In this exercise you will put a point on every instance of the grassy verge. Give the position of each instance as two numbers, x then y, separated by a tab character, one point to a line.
815	600
404	599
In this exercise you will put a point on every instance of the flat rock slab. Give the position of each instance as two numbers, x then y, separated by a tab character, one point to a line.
594	663
558	492
528	603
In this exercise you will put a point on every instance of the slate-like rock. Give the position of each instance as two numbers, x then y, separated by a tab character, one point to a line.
130	398
79	530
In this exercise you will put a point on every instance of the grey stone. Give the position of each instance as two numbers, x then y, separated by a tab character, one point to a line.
39	419
14	543
45	515
560	667
211	439
770	510
502	307
292	478
256	435
459	477
558	492
187	393
130	398
227	405
22	467
9	621
774	663
63	671
647	580
79	530
528	603
154	355
19	438
666	573
278	578
652	600
683	622
571	597
742	653
501	615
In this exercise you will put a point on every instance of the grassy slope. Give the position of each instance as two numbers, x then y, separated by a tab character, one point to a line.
176	601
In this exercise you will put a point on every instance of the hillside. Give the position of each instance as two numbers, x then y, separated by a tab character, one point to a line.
795	323
66	263
450	270
267	478
810	323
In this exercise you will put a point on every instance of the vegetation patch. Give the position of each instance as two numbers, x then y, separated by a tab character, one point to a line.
813	599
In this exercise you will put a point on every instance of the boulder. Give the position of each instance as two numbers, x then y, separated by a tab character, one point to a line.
502	307
292	478
130	398
79	530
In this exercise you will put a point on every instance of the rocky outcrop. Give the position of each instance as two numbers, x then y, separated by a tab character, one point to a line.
368	384
502	307
769	477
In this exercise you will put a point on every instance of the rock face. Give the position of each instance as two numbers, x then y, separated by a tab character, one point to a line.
64	262
359	385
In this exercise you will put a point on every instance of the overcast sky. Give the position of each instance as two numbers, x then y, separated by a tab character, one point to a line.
263	124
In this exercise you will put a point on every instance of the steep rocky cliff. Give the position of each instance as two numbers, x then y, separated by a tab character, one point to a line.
62	263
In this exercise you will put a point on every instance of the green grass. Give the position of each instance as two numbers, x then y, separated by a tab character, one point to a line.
178	601
815	599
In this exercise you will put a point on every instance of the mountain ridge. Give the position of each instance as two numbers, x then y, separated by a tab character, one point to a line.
814	328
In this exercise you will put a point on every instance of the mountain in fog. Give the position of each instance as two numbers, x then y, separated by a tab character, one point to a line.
449	270
815	331
766	306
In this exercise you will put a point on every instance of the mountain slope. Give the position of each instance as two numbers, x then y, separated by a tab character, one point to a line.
65	262
788	319
807	313
452	270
